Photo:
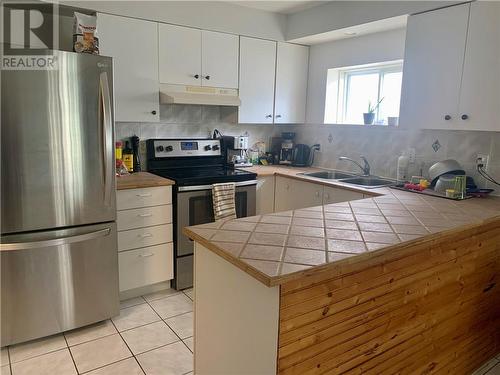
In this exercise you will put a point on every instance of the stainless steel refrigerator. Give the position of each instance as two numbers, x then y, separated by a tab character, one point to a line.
59	260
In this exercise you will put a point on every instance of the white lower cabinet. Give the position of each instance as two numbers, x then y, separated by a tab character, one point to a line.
292	194
145	235
265	195
336	195
145	266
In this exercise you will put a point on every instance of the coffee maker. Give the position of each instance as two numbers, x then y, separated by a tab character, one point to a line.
286	152
235	149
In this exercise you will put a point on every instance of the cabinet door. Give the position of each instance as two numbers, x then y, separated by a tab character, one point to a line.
434	55
133	44
257	68
291	83
265	195
480	93
292	194
219	61
336	195
283	195
180	55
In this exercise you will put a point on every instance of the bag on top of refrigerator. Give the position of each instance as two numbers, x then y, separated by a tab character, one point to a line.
85	34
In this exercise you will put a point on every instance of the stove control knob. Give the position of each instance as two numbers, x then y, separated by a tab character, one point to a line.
159	148
215	148
208	147
169	149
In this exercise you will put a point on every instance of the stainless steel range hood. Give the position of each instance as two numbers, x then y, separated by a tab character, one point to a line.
179	94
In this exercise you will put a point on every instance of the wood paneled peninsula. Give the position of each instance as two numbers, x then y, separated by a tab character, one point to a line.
392	283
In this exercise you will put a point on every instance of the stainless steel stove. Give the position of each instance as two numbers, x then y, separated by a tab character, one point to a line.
194	165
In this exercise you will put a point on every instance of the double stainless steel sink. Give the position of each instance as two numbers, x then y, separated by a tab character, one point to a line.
368	182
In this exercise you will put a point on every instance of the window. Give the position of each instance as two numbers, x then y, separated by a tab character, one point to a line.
350	90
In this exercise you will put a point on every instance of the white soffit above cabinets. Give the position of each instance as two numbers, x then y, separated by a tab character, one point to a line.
283	7
386	24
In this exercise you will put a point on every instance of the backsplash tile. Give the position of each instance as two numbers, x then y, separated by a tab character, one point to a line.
197	121
382	146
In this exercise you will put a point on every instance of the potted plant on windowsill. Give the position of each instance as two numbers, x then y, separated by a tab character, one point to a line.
369	116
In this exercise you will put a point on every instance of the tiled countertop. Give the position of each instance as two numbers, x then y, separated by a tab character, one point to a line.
141	180
279	247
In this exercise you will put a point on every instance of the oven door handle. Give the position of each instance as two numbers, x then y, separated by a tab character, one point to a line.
209	187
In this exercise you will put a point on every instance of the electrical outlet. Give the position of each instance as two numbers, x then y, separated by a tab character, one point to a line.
482	159
412	155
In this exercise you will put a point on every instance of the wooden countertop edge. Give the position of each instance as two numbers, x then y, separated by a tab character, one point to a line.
336	267
141	180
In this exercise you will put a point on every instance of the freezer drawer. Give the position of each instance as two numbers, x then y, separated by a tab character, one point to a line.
57	280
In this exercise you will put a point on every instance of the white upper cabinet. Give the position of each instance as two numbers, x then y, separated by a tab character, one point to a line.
133	44
198	57
219	59
180	55
257	75
480	93
434	55
291	83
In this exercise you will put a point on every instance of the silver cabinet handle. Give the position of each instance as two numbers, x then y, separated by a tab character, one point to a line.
317	193
56	241
278	116
143	195
145	215
269	116
327	196
146	255
145	235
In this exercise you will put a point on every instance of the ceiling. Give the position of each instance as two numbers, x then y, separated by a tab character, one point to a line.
283	7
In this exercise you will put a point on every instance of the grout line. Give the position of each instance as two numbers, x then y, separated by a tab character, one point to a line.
175	333
128	347
38	355
70	353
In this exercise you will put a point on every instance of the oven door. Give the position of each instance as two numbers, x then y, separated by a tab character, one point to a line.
194	207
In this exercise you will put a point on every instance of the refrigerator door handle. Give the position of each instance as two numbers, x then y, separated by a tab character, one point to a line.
107	126
55	241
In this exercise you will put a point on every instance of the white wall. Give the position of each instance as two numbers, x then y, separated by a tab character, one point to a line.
385	46
209	15
336	15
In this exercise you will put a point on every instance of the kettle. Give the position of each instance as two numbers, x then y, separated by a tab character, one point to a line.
301	155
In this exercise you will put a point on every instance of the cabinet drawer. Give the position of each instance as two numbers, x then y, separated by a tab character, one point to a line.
146	266
144	217
147	197
135	238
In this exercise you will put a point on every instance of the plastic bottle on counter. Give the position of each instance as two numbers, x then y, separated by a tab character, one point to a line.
128	157
118	150
403	166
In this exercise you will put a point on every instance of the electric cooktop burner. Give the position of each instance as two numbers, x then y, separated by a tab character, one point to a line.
204	175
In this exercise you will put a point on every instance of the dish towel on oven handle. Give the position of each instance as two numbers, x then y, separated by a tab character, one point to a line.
224	202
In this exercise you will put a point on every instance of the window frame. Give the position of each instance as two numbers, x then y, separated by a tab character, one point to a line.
343	76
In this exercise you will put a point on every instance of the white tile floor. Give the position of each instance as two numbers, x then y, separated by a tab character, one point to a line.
152	336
